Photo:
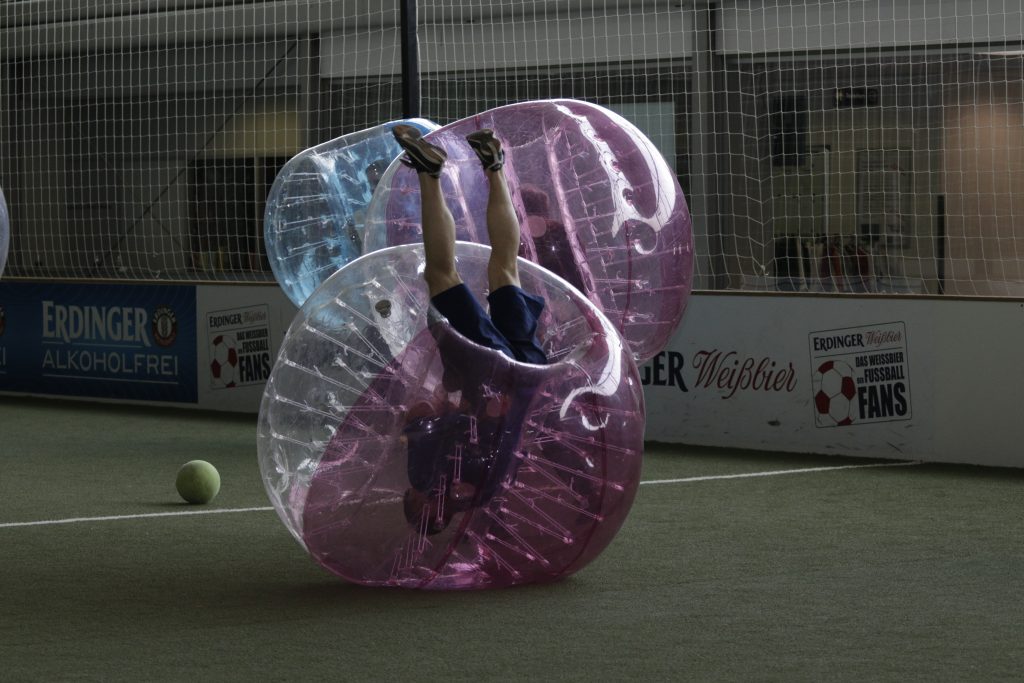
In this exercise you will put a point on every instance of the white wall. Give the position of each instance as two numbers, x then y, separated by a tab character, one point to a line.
743	370
585	37
961	370
55	26
262	312
759	26
983	168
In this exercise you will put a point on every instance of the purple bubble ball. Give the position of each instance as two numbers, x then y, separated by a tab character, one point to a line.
599	204
399	453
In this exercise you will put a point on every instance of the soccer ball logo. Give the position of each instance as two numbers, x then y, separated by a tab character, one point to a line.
834	394
223	361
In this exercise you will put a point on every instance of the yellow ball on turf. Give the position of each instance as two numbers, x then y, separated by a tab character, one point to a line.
198	482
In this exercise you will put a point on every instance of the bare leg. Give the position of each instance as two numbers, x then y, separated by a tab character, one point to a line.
503	231
438	237
502	223
436	220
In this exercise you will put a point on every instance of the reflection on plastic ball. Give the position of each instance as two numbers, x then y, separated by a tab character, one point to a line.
399	453
5	232
316	207
602	209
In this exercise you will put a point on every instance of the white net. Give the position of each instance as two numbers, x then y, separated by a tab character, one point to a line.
825	145
871	146
141	143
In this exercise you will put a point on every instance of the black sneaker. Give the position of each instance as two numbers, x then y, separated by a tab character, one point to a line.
488	148
420	155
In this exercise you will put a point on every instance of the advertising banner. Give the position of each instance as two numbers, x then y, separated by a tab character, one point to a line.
134	341
875	377
860	375
240	331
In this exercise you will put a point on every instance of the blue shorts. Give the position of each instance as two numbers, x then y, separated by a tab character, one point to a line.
510	328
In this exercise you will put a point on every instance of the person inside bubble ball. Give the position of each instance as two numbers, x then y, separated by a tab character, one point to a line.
448	472
550	239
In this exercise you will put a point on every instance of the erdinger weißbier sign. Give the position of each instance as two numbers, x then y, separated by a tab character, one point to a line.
860	375
730	371
872	376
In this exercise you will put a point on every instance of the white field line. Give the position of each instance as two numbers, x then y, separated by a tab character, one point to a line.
112	518
775	473
653	482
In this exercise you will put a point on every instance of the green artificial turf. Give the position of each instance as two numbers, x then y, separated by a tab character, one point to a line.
890	573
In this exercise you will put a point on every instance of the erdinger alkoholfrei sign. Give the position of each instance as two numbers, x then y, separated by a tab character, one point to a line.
860	375
112	341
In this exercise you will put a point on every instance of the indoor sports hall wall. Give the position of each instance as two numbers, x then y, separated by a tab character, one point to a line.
931	379
852	166
756	371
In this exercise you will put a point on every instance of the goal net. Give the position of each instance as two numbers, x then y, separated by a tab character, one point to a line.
843	146
871	146
141	143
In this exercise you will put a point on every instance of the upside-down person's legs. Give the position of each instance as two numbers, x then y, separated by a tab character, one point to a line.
450	297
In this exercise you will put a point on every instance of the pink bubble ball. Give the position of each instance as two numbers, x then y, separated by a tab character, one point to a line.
399	453
600	206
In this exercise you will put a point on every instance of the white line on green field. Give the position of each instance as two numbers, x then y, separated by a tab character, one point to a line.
114	518
654	482
775	473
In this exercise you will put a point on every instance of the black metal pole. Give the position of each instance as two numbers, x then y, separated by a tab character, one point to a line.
410	61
